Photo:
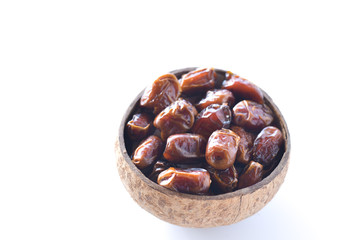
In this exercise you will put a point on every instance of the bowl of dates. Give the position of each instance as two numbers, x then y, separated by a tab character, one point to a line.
202	147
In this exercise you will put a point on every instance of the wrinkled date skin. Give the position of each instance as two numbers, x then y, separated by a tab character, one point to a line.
176	118
216	96
225	180
198	81
251	115
163	91
244	153
190	180
139	126
267	145
242	88
212	118
147	152
253	173
221	149
185	148
159	166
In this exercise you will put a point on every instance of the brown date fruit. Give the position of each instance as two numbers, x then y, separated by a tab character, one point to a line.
242	88
159	166
221	149
252	174
212	118
176	118
244	153
252	116
185	148
198	81
216	96
139	126
267	145
147	152
163	91
224	180
190	180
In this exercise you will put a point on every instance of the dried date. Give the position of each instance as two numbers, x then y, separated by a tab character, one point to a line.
251	115
139	126
267	145
163	91
212	118
224	180
221	149
252	174
242	88
244	153
176	118
198	81
190	180
147	152
216	96
185	148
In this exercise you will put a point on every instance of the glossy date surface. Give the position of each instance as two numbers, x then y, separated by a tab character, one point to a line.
212	118
163	91
224	180
147	152
242	88
252	174
251	115
244	153
190	180
221	149
197	81
185	148
216	96
177	118
267	145
139	126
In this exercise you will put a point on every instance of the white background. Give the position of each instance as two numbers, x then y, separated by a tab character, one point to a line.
68	70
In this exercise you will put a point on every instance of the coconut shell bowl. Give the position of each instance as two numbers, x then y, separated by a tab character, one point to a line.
205	210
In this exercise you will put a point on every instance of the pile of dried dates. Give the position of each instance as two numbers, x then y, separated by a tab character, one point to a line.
195	136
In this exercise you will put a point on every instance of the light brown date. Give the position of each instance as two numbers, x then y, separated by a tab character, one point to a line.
147	152
267	145
216	96
190	180
163	91
139	126
251	115
185	148
212	118
224	180
252	174
244	153
242	88
176	118
221	149
198	81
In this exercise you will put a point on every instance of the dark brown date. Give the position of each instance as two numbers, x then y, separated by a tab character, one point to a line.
163	91
242	88
198	81
224	180
244	153
216	96
221	149
139	126
159	166
212	118
147	152
190	180
252	174
176	118
267	145
185	148
251	115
